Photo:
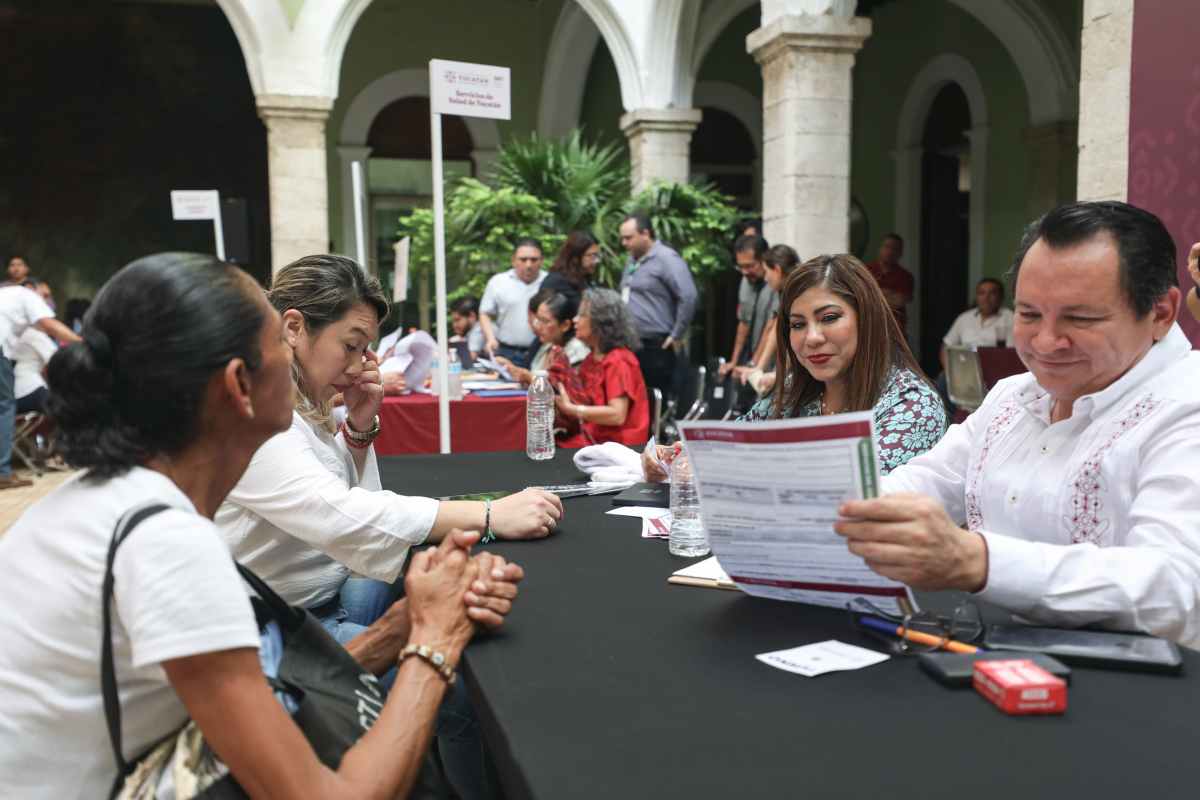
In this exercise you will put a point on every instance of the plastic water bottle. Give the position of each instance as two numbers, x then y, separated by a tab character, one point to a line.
688	538
539	418
435	375
454	376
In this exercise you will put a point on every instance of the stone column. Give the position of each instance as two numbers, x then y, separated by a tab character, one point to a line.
659	144
807	92
297	175
1104	76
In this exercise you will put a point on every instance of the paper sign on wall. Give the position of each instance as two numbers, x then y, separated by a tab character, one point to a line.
470	90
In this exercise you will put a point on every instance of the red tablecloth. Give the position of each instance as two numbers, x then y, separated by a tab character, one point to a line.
409	424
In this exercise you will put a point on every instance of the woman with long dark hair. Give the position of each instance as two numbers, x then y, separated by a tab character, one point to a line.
838	349
574	266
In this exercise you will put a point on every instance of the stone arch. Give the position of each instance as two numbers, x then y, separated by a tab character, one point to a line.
933	77
568	59
620	45
366	105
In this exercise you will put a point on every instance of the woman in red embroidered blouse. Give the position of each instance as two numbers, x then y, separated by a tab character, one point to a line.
612	405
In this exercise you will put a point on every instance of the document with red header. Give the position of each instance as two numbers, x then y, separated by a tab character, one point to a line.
769	494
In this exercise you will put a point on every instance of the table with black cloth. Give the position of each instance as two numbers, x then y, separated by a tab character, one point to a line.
608	682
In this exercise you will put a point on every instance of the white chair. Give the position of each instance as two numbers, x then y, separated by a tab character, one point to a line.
964	378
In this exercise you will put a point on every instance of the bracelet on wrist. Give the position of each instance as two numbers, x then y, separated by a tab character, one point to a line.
360	439
488	534
434	658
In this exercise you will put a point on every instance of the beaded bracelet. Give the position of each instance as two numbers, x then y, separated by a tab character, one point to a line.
433	658
360	440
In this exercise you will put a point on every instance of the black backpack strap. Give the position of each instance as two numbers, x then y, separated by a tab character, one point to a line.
108	676
289	618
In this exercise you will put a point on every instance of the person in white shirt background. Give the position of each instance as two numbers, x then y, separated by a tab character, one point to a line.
1076	482
503	310
310	515
20	308
31	353
988	324
175	420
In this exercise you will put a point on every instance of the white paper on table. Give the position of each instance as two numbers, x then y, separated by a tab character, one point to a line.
811	660
475	386
644	512
707	570
657	527
769	494
384	350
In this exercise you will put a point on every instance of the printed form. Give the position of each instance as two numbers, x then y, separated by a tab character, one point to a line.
769	493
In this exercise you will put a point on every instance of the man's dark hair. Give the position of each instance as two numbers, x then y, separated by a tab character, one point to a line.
643	222
999	284
528	241
751	244
749	223
1145	249
466	305
895	236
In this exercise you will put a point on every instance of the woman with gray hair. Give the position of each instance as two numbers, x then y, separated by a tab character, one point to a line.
612	406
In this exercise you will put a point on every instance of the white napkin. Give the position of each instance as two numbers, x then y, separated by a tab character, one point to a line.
610	462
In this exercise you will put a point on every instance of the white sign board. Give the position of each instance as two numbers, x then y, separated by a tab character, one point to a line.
400	286
470	90
191	204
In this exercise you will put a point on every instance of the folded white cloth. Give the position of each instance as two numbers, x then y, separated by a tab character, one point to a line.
610	462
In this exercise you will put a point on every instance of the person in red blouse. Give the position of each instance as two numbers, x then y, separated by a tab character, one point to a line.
612	406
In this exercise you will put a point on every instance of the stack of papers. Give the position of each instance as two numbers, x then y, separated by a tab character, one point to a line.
656	522
706	573
769	494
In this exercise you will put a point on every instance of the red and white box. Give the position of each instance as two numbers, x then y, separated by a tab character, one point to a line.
1020	686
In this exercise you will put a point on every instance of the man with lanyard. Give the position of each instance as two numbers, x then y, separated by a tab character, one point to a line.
504	310
756	302
658	288
20	308
1074	484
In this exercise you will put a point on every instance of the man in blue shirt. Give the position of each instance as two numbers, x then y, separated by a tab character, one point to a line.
658	288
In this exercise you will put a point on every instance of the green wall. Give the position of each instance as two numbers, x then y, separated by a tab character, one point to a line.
905	37
601	113
400	34
728	60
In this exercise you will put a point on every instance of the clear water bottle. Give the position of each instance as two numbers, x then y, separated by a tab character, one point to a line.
454	376
688	538
435	375
539	418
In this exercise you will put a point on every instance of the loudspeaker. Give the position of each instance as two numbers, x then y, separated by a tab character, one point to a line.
235	220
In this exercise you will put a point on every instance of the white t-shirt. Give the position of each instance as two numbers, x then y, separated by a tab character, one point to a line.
970	329
506	300
303	519
176	594
32	351
19	308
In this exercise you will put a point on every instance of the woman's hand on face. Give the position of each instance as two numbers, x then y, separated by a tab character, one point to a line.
365	395
437	581
650	461
1193	263
530	514
490	597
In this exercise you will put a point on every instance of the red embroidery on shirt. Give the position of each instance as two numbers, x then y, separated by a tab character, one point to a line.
1000	424
1085	523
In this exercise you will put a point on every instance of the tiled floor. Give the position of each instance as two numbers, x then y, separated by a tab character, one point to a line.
14	501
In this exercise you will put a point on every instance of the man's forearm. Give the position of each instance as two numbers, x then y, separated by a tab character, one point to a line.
378	647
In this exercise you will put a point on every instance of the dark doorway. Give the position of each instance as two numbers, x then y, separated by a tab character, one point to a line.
945	203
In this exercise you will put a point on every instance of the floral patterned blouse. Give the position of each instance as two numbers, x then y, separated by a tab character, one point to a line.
909	418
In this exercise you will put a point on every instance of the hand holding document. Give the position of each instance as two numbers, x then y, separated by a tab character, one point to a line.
769	494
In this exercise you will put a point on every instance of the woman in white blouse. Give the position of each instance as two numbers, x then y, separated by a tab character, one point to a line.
174	420
310	511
